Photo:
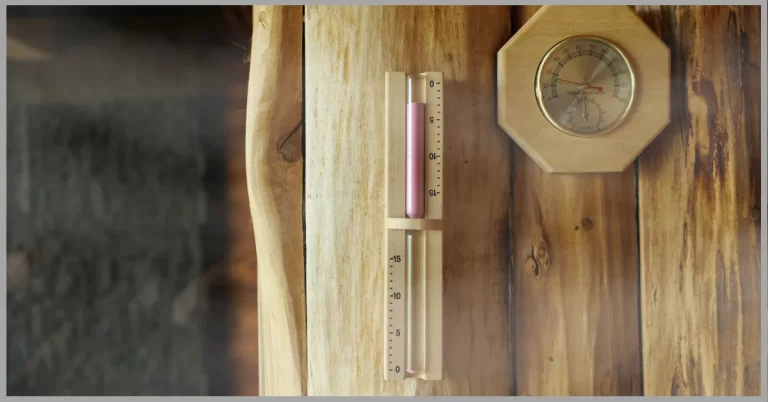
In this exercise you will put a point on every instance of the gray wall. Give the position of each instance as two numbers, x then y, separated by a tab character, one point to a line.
115	213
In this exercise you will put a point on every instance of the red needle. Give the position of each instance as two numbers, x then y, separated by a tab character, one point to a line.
587	86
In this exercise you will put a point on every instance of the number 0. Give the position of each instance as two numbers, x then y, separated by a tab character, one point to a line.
431	83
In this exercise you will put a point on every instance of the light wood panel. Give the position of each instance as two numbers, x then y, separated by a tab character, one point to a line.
348	50
274	173
576	281
699	195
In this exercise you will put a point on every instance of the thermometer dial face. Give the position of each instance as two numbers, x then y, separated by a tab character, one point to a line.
585	86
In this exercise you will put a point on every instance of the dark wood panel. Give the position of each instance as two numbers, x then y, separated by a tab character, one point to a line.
575	279
699	194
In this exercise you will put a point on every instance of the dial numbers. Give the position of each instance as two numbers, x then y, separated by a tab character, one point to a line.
585	86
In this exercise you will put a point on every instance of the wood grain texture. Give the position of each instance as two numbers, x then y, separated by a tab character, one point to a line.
575	282
348	50
699	189
274	163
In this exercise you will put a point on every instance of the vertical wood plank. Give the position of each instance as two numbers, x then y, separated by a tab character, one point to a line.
699	190
274	172
575	280
348	50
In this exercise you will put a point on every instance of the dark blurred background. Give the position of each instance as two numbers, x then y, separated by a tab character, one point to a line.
130	251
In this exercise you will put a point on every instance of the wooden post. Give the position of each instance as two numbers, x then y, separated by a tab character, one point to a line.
274	168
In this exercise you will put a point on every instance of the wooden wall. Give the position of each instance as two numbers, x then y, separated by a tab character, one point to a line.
644	282
699	205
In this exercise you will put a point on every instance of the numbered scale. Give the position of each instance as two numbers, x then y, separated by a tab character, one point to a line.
414	128
585	86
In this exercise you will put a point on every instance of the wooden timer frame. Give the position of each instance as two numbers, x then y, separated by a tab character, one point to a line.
400	339
522	119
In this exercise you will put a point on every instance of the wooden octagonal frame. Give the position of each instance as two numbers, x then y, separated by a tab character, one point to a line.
555	151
